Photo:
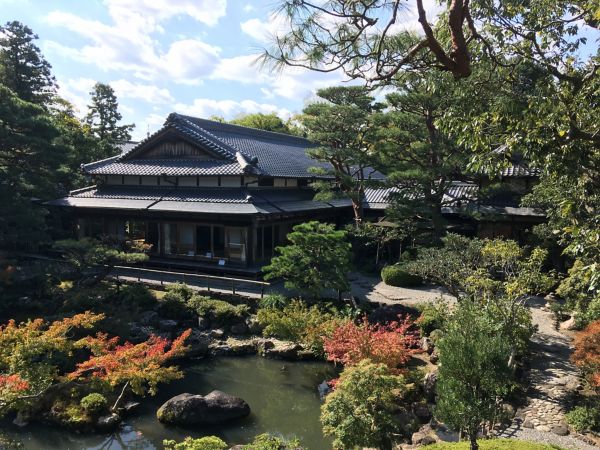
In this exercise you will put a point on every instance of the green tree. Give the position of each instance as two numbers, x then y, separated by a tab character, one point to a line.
359	412
474	375
29	158
23	68
341	123
94	258
420	159
267	122
103	118
316	258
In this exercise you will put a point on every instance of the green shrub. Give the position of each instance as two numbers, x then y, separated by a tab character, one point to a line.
178	291
269	442
137	295
584	418
173	308
433	316
205	443
219	312
591	314
299	323
274	301
94	403
398	276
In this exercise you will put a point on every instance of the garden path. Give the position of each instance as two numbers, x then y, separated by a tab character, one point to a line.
553	379
372	289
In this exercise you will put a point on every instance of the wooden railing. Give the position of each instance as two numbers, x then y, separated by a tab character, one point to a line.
209	281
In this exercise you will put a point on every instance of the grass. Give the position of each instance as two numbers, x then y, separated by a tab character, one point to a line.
494	444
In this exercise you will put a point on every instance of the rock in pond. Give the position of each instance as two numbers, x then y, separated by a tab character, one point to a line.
214	408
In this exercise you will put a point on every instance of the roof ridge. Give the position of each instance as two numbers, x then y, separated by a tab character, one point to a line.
247	129
230	150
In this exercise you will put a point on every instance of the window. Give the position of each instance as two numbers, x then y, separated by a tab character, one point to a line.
236	243
153	237
170	238
203	240
136	230
186	240
219	241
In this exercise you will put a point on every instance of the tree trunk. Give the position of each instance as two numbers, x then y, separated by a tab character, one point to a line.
377	254
473	441
438	222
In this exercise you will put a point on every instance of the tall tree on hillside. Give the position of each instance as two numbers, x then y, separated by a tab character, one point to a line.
342	123
420	159
23	68
103	119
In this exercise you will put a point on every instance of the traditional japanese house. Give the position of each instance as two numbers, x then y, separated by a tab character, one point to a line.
203	192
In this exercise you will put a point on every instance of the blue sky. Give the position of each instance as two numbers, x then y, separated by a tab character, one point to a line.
190	56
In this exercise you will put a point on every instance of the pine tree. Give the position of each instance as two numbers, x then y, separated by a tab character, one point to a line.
23	68
28	162
103	118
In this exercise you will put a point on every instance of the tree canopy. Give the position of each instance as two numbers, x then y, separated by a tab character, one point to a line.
23	68
103	118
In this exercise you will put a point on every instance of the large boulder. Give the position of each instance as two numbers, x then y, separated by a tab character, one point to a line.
214	408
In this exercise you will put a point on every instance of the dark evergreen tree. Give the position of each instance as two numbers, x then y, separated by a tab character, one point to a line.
29	159
421	161
103	119
341	122
23	68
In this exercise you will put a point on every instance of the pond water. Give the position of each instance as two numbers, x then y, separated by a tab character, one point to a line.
282	395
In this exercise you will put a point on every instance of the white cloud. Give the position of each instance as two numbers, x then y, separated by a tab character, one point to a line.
262	31
248	8
292	83
229	109
76	91
146	92
127	44
155	11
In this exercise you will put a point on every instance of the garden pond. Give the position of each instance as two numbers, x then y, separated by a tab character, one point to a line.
283	397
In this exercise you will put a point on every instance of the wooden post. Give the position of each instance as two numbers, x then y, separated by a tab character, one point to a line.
262	290
233	286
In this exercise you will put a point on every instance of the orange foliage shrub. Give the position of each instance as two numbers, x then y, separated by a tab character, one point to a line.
138	364
587	353
390	344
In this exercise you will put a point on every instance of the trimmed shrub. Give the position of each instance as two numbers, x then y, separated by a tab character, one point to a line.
94	403
584	418
219	312
398	276
178	291
137	295
173	308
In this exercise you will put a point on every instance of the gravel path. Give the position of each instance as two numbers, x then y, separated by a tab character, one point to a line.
372	289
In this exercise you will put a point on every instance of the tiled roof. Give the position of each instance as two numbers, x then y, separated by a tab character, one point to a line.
242	149
519	170
171	167
196	200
